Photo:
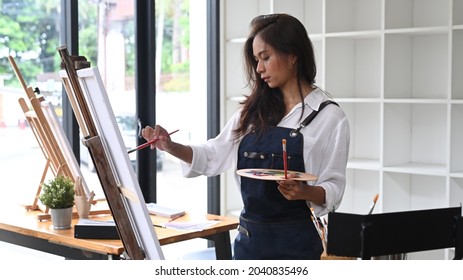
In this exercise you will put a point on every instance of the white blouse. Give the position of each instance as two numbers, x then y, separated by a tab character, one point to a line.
326	149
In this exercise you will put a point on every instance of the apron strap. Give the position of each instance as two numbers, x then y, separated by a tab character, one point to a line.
310	117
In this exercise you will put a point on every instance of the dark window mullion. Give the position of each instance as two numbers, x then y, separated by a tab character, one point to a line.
145	87
213	95
69	36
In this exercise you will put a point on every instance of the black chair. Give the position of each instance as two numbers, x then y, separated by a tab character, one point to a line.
366	236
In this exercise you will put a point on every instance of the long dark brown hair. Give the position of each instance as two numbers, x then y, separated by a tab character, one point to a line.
265	106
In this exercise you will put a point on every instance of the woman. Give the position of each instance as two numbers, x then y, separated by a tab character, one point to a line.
275	222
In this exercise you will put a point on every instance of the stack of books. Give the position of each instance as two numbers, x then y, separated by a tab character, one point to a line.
163	211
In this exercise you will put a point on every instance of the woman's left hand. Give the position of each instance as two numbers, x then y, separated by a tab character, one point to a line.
292	189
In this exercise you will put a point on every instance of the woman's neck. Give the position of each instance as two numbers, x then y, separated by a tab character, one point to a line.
292	96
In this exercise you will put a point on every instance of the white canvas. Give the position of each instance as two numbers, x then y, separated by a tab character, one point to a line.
115	149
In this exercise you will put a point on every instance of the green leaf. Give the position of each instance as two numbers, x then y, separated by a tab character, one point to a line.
58	193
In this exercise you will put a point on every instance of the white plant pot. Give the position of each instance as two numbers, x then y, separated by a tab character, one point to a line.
61	218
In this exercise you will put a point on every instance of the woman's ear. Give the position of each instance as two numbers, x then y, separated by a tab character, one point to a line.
293	59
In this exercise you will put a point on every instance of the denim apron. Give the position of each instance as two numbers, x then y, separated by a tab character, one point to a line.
272	227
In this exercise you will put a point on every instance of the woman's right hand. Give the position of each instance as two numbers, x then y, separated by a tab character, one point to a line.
158	132
164	143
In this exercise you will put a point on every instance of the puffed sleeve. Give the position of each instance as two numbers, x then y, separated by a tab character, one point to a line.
215	155
330	159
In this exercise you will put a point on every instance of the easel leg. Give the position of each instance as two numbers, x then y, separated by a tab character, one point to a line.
34	205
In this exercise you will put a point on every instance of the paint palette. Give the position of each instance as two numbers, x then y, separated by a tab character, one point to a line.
275	174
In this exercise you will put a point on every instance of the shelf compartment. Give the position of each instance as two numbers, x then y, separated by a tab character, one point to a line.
456	192
364	123
353	15
408	192
296	8
415	135
416	13
457	12
234	75
318	52
457	64
456	139
416	66
314	19
361	187
353	67
309	12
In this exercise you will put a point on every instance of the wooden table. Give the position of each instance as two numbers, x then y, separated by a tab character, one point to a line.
21	227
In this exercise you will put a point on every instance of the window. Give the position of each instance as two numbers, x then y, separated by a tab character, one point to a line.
181	95
107	40
180	100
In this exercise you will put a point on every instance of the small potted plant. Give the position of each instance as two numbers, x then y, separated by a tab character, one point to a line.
58	195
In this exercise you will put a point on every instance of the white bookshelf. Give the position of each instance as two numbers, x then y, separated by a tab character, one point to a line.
396	68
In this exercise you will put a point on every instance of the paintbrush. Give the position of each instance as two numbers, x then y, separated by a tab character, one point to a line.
285	160
320	227
142	146
372	206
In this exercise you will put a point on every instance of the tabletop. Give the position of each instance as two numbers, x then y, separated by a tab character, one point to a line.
17	219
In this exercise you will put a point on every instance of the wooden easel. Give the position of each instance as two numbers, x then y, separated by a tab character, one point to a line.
51	161
99	155
53	145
